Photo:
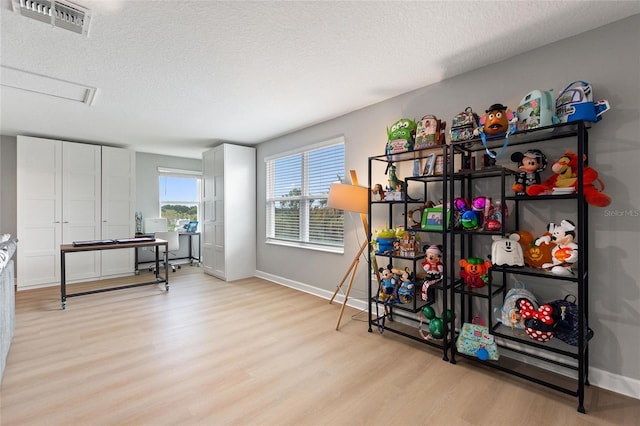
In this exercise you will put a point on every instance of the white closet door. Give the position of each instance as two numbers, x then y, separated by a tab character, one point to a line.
118	207
219	246
208	211
81	207
39	211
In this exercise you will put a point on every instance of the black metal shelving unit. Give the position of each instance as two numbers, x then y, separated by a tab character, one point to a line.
404	319
529	359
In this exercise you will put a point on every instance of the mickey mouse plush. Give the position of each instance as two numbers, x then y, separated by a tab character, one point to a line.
565	253
530	164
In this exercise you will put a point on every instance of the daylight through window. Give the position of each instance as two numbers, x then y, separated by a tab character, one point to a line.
179	197
297	192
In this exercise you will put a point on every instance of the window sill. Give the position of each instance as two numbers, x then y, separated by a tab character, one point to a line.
314	247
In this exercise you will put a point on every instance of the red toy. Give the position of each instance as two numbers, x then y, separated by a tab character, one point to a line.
475	272
565	176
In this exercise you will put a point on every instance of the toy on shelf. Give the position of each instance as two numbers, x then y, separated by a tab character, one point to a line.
565	181
406	291
506	251
436	324
470	215
530	164
534	255
539	323
497	120
475	272
463	125
408	244
377	192
576	103
429	132
565	252
388	285
400	137
396	188
433	267
536	110
384	240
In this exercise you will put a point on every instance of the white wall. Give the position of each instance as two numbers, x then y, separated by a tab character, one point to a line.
607	58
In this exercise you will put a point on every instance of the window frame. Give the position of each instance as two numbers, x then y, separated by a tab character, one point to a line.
181	173
304	198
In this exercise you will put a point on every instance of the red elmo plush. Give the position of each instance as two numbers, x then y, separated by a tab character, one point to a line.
565	175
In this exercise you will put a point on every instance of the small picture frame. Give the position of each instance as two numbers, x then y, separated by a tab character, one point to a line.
432	219
192	226
438	167
429	165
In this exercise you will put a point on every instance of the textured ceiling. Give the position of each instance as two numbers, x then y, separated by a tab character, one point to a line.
176	77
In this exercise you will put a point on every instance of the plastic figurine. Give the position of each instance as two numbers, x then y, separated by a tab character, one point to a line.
434	268
565	253
530	164
377	192
497	120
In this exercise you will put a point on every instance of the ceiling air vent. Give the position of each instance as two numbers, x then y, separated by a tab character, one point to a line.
62	14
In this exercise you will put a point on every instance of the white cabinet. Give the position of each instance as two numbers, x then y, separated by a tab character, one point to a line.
60	200
118	207
229	211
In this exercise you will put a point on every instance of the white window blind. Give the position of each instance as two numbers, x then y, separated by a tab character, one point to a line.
297	193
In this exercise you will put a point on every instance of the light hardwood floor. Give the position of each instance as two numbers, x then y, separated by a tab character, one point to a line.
252	352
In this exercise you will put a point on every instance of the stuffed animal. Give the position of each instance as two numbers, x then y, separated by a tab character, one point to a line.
565	253
530	164
388	282
474	271
565	176
433	266
406	291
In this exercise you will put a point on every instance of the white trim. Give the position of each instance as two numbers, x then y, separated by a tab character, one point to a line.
170	171
315	291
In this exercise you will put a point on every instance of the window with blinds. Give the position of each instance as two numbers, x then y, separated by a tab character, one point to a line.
297	192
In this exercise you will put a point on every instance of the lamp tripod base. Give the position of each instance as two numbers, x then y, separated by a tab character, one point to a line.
351	271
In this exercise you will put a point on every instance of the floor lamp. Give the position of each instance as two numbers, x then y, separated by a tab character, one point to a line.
352	198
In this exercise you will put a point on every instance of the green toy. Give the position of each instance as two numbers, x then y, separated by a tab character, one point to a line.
436	324
400	137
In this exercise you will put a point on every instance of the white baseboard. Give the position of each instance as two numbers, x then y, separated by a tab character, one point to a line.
597	377
614	382
306	288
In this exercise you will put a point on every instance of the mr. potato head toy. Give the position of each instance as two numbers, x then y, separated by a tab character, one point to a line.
498	120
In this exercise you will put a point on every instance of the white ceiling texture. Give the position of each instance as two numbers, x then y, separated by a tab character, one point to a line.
175	77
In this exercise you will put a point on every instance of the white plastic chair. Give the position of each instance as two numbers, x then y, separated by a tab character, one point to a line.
173	241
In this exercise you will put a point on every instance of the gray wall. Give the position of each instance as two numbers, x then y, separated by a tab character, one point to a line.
607	58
